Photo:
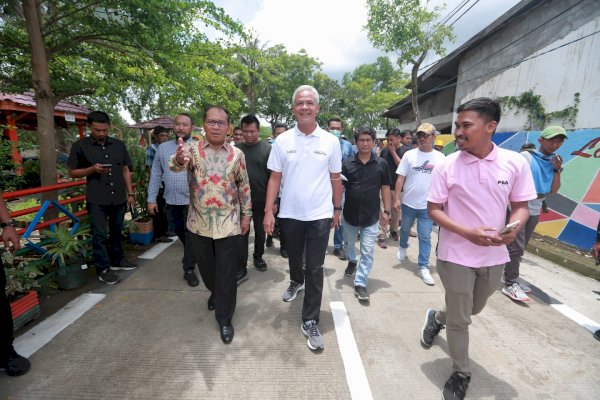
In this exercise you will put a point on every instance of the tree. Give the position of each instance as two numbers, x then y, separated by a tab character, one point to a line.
280	74
369	89
407	28
64	48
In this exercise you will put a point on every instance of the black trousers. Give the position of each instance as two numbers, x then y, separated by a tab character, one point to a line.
258	215
311	236
179	217
6	324
159	220
217	262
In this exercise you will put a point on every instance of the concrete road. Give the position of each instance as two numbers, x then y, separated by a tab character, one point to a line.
152	337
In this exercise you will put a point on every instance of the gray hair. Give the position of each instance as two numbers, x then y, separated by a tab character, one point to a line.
305	87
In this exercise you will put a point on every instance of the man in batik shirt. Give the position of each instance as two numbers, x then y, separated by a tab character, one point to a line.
220	210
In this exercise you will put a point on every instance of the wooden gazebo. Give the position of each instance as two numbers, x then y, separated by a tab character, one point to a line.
18	111
145	127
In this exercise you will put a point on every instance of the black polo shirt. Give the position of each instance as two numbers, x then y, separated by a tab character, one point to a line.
364	181
385	154
103	189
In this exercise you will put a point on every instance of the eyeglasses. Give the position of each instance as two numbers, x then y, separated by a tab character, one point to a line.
212	123
423	135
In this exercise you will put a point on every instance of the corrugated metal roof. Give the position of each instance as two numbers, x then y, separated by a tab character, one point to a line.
28	99
164	120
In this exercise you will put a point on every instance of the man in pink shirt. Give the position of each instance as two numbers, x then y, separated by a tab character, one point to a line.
469	193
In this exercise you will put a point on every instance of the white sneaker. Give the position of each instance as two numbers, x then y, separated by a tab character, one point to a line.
515	292
425	275
401	254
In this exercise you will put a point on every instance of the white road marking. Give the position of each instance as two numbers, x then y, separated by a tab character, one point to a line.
156	250
45	331
353	365
576	316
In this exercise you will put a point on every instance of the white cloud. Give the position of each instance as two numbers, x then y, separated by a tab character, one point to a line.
332	30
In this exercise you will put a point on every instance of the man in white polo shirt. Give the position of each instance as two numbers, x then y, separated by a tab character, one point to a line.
306	162
468	196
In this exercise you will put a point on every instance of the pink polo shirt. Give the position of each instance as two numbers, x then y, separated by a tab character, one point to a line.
476	192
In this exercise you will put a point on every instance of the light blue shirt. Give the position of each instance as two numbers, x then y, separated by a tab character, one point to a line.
347	150
177	190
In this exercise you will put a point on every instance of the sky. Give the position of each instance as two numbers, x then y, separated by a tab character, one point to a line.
332	30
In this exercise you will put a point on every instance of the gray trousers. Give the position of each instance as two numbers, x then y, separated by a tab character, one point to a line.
467	290
516	249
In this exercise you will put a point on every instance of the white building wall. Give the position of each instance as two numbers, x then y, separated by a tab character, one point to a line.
556	75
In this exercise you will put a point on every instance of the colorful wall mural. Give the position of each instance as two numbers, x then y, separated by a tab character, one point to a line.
574	211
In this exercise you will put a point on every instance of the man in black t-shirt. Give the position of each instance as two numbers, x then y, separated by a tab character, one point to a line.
256	153
106	165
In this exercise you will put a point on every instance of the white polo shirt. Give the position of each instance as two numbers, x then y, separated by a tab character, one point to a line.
305	162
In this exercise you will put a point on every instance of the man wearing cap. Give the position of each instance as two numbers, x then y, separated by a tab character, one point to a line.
546	167
396	147
414	178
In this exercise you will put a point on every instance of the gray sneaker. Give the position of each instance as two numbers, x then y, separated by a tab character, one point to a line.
361	293
431	328
310	329
292	291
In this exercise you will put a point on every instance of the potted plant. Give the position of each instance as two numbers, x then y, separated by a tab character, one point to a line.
21	274
141	229
67	249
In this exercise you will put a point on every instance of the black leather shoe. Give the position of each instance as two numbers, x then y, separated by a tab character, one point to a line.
260	264
283	253
227	333
269	242
211	302
16	365
191	278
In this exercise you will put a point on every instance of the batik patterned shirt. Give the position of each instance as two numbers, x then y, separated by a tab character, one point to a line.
219	189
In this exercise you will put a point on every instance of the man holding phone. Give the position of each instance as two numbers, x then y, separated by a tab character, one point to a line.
546	167
468	196
106	165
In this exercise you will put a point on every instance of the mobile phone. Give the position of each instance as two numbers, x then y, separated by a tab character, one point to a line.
509	227
106	165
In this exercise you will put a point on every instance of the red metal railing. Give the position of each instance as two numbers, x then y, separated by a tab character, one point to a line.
43	189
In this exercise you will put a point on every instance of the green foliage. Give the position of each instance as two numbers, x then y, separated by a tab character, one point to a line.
406	27
9	180
65	248
537	117
23	204
145	55
21	273
409	29
369	90
139	175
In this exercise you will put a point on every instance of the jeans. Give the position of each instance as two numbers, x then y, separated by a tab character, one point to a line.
338	234
368	237
424	226
106	222
311	236
178	215
516	249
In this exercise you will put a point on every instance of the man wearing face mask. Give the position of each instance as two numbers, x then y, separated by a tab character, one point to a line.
336	127
176	194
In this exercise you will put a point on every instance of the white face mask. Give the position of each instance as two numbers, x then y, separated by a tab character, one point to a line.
335	133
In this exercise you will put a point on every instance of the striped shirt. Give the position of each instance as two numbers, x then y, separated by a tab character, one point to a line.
177	189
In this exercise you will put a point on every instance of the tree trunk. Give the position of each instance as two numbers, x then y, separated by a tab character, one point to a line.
415	87
414	95
44	98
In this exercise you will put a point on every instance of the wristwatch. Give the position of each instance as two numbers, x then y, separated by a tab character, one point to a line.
559	170
337	208
12	223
